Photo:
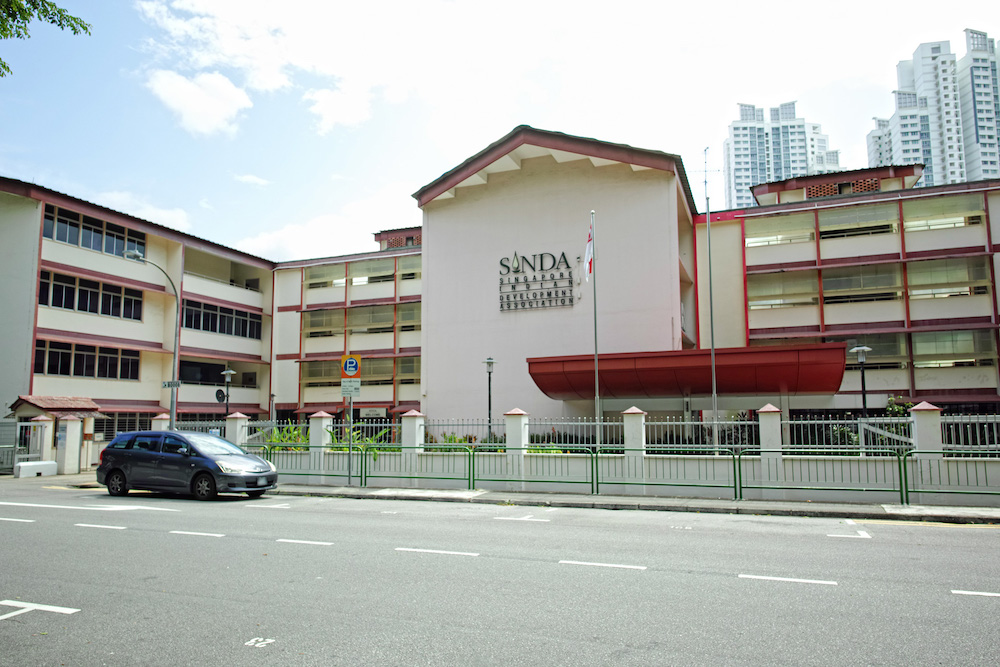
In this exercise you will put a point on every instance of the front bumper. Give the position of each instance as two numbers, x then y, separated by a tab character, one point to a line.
226	483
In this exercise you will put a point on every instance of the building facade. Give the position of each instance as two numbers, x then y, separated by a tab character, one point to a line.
946	114
779	292
773	148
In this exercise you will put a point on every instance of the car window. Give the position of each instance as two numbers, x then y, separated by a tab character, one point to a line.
214	445
149	442
120	442
172	444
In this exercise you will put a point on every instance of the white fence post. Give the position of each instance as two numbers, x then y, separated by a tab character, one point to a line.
772	466
319	440
413	430
517	441
236	428
926	427
46	431
634	427
68	452
160	422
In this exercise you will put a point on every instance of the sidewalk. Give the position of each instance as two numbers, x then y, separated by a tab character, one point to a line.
941	513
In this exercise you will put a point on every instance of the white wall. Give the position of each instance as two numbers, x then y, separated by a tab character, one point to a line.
20	222
543	208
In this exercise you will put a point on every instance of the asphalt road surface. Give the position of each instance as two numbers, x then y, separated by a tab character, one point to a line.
86	579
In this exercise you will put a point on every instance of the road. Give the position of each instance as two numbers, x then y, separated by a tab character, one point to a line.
86	579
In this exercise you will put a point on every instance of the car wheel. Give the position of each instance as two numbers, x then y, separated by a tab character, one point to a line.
116	483
255	494
203	487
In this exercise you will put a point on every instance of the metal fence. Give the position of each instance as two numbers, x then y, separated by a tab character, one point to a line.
971	435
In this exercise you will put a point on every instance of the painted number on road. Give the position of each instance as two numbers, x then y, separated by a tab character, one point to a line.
259	642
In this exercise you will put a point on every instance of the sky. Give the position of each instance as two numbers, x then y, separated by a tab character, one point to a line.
297	129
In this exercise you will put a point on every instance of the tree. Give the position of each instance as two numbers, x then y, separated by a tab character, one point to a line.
15	15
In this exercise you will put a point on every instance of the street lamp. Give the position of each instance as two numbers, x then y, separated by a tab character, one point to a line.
229	373
174	383
489	392
861	351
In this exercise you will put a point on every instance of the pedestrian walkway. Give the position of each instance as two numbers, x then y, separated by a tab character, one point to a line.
941	513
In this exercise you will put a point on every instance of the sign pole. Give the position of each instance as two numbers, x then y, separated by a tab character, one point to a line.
350	386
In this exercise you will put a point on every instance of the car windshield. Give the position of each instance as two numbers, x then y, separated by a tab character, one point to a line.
210	444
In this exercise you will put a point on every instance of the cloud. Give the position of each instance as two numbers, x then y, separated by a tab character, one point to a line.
207	104
345	232
127	202
349	105
251	179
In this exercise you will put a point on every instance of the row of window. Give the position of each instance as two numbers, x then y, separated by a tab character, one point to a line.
934	349
89	296
78	360
363	272
85	231
216	319
362	319
404	370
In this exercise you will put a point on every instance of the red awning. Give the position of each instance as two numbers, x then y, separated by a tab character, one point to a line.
313	409
786	369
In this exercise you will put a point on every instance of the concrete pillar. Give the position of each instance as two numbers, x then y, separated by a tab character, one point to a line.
46	435
161	422
319	439
634	426
926	427
236	428
413	430
516	424
88	449
69	437
771	463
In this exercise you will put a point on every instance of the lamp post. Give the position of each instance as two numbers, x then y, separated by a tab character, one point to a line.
489	393
229	373
861	351
174	384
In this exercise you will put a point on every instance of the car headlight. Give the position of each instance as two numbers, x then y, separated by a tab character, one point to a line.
228	469
271	466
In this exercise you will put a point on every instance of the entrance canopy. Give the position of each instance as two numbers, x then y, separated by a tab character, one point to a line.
766	370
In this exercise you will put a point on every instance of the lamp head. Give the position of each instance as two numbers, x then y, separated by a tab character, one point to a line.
229	373
134	254
489	364
861	351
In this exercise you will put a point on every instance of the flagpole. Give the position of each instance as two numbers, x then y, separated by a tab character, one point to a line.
597	381
711	312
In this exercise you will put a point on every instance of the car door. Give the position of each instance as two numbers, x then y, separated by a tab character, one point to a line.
175	468
143	457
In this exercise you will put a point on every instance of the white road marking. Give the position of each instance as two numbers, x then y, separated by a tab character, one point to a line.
436	551
626	567
98	508
322	544
862	535
94	525
989	595
25	607
520	518
794	581
553	509
282	506
184	532
18	520
388	512
849	522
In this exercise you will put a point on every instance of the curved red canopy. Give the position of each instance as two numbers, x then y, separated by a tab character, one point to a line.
787	369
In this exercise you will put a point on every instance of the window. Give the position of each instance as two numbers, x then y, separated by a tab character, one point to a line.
44	287
943	212
371	319
939	349
107	363
408	317
409	267
60	359
132	304
91	233
372	271
782	290
377	371
63	291
129	368
111	301
323	323
948	277
114	240
858	221
68	227
326	275
88	297
216	319
871	282
85	361
779	229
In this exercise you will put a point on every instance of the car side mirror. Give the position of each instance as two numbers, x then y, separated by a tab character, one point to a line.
184	451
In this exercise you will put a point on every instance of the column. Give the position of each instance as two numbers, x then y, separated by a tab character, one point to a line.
236	428
634	423
319	439
516	424
68	450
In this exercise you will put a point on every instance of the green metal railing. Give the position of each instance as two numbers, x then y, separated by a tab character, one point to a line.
880	470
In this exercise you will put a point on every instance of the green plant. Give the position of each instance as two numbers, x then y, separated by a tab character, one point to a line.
286	435
356	436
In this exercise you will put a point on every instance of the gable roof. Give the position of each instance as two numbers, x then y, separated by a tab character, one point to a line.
528	142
